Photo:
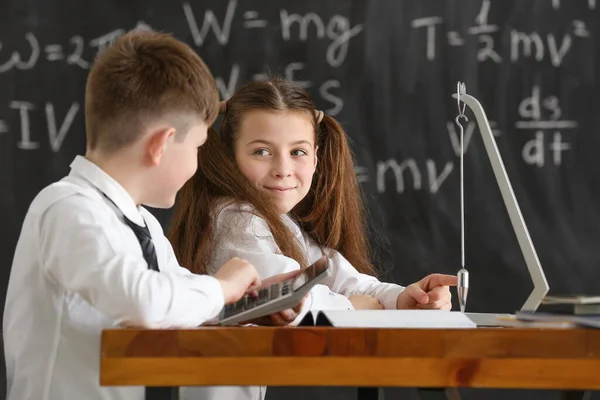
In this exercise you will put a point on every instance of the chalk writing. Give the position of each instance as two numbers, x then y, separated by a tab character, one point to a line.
362	174
523	45
430	23
56	136
75	57
410	166
534	40
209	23
398	172
483	29
18	61
54	52
252	21
337	29
24	107
227	90
541	114
56	131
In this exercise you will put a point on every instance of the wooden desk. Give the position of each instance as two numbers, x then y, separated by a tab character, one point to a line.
433	358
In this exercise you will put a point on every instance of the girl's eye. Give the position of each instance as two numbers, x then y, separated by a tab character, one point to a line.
299	152
261	152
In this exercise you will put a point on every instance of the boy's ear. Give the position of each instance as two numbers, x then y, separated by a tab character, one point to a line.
157	144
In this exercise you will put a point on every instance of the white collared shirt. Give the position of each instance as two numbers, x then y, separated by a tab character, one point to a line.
241	233
79	269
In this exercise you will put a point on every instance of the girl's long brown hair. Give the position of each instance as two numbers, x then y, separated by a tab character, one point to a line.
332	213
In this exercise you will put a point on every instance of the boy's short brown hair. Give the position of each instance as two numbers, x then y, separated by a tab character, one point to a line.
144	76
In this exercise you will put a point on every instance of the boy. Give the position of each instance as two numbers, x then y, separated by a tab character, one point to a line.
89	256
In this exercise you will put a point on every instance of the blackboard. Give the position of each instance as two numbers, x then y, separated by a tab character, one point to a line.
386	69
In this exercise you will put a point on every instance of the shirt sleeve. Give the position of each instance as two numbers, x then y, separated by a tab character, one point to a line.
241	233
346	280
77	253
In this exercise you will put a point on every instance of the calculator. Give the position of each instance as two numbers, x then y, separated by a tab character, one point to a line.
275	298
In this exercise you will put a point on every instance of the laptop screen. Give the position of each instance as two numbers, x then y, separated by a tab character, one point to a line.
309	273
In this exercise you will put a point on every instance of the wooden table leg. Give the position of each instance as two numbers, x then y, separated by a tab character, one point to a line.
162	393
370	393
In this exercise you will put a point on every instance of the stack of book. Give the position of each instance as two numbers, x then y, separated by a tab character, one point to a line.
576	309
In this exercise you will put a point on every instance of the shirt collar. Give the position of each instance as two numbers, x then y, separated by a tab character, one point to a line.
105	183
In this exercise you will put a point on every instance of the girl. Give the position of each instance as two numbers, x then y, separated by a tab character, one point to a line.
276	186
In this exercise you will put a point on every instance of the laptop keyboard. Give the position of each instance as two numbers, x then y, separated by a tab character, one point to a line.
265	295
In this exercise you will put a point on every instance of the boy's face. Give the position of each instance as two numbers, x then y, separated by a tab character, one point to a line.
178	163
276	151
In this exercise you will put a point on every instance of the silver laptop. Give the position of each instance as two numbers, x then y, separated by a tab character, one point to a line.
275	298
540	284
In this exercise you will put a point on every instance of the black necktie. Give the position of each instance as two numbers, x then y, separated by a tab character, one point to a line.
143	236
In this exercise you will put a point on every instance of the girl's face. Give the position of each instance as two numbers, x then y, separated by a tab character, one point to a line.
276	151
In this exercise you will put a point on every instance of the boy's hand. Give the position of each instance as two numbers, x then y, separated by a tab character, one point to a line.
283	317
237	276
431	292
364	302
